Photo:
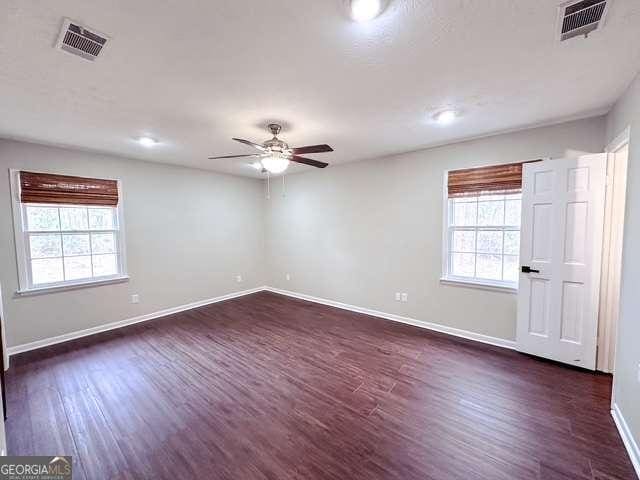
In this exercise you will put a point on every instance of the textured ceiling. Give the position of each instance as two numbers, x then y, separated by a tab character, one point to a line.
193	74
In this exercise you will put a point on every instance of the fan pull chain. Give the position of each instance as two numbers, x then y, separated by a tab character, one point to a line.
268	187
284	193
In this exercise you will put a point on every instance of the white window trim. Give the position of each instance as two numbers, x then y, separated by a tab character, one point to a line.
73	285
478	284
447	278
24	287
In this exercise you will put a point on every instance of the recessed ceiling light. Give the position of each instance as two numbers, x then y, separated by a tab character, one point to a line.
147	141
445	117
365	10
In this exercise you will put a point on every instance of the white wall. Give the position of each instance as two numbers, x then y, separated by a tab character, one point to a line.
354	233
627	385
357	233
188	234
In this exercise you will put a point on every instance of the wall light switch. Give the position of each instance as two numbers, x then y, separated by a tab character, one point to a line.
404	297
239	278
398	296
135	298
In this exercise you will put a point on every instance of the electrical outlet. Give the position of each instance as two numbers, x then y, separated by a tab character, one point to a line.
404	297
135	298
397	296
288	277
239	278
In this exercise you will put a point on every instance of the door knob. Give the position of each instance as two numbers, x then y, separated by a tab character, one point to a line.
528	269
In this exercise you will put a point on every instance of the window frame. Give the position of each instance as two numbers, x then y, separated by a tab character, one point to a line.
449	279
25	283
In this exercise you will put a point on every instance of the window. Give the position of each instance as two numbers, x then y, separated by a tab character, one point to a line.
62	241
482	225
484	239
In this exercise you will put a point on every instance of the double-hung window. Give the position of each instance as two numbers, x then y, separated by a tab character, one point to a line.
68	230
482	225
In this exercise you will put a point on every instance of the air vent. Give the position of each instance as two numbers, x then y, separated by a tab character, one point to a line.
581	17
79	40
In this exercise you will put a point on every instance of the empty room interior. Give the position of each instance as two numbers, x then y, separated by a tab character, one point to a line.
340	239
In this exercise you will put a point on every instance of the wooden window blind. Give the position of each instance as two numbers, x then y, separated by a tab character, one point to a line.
50	188
486	180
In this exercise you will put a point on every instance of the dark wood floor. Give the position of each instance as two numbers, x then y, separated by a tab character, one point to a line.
268	387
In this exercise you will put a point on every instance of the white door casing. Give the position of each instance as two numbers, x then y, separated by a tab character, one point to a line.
612	255
561	237
3	439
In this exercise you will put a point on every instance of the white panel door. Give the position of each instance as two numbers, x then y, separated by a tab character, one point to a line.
561	245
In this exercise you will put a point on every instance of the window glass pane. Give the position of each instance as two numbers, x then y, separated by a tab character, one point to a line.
105	265
463	264
464	213
76	244
42	219
488	246
74	249
511	268
77	267
103	243
73	218
46	270
490	242
489	267
101	219
464	241
512	243
491	213
512	213
42	246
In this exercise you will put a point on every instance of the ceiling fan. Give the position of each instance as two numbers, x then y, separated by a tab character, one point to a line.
275	154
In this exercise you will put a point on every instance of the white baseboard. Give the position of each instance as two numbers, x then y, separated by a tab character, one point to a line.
499	342
129	321
627	437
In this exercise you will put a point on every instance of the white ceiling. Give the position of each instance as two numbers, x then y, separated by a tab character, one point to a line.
195	73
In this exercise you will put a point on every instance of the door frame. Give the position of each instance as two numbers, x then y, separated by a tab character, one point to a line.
610	279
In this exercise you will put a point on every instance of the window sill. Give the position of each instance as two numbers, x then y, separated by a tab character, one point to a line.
71	286
488	285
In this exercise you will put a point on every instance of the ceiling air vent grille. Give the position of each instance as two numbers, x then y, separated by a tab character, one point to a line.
582	17
79	40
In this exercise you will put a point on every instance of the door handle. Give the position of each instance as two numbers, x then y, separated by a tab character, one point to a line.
528	269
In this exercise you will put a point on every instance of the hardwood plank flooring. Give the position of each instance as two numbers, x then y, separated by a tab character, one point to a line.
269	387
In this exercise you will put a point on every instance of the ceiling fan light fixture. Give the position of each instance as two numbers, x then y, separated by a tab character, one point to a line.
275	163
365	10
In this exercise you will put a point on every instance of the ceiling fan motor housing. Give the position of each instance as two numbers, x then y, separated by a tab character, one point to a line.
276	145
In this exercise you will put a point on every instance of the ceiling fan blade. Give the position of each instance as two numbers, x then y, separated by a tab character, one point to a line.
312	149
237	156
251	144
308	161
